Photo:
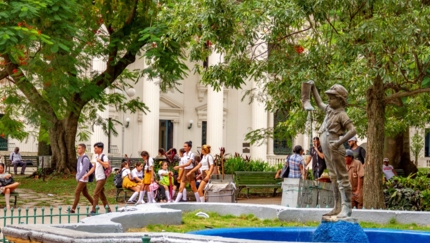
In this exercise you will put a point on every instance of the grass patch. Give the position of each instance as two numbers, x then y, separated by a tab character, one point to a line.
63	188
190	222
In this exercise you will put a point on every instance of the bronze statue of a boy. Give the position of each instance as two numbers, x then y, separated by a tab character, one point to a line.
332	136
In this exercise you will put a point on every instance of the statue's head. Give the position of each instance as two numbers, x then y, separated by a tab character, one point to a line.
340	92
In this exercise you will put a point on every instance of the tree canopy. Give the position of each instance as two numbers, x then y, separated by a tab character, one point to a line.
379	50
47	49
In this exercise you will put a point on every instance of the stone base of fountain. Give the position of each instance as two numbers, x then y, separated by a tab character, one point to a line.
339	231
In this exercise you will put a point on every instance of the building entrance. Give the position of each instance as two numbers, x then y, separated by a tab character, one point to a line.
166	134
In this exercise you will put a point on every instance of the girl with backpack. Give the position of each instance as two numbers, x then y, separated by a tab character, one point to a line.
128	182
167	181
206	167
148	170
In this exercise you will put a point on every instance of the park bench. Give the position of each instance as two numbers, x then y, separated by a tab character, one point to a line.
14	195
32	161
125	191
256	179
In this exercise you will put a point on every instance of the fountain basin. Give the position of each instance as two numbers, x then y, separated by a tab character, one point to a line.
295	234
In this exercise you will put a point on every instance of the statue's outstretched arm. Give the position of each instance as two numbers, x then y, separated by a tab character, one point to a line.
317	97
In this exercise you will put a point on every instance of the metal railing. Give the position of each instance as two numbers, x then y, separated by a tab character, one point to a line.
276	160
44	215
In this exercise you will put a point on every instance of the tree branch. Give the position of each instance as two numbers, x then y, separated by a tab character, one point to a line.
3	74
28	89
294	33
328	20
389	99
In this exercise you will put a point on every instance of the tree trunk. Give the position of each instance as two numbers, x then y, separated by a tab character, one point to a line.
62	135
43	147
373	196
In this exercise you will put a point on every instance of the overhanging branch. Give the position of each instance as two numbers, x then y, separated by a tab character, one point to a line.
405	94
30	91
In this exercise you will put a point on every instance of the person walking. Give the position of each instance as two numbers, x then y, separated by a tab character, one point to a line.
187	166
102	162
16	160
206	167
82	168
296	163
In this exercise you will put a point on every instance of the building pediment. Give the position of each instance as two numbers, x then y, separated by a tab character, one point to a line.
169	104
202	112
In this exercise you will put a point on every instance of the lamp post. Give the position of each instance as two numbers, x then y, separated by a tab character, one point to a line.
130	93
310	130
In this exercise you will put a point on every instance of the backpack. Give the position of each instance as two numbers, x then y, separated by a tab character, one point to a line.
117	180
107	170
90	177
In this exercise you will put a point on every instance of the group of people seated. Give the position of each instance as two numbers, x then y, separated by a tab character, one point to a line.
161	186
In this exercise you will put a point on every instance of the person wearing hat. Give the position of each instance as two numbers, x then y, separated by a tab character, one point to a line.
356	178
336	129
359	152
388	170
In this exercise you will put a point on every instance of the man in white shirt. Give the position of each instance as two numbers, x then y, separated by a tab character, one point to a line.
102	162
82	167
16	160
388	170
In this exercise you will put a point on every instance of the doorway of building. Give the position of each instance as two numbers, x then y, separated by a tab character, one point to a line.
166	134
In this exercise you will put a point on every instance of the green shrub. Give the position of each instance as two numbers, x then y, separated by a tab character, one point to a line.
408	193
238	163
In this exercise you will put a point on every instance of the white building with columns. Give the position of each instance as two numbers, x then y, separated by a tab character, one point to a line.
197	113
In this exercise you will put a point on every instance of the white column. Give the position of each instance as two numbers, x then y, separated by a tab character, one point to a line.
215	111
259	113
270	141
258	120
151	121
98	135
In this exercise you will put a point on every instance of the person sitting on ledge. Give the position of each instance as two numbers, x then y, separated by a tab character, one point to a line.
6	189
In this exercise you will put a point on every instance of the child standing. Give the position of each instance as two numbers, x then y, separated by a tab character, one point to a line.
148	170
167	181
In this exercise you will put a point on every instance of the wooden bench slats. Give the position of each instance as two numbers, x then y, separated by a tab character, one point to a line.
256	179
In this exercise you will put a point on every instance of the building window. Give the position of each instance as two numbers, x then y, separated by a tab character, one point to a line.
427	144
204	127
281	143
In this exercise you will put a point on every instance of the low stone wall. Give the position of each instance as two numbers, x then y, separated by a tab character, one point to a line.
110	227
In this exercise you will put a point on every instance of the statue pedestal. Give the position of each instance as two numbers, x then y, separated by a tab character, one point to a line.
341	230
290	192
